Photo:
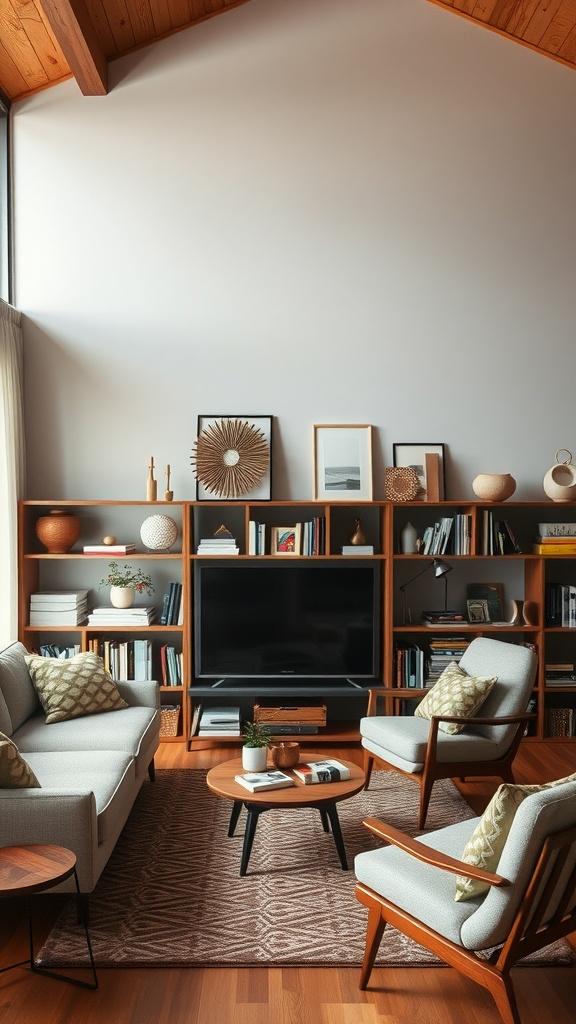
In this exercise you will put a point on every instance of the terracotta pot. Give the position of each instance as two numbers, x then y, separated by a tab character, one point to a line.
494	486
58	531
285	755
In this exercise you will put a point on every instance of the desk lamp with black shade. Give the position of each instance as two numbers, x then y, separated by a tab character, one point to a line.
441	570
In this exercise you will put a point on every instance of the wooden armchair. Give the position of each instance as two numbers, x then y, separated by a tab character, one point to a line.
486	747
530	903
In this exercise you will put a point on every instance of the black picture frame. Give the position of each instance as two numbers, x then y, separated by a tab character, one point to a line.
263	491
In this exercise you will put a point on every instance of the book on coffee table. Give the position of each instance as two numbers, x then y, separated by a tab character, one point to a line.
258	782
322	771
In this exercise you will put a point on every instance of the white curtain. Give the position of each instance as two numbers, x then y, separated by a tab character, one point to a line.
12	464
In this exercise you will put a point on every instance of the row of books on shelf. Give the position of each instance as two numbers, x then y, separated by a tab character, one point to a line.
498	537
417	668
57	651
124	659
172	611
304	538
560	604
448	534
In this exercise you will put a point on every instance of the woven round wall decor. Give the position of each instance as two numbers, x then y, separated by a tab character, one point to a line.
230	457
401	483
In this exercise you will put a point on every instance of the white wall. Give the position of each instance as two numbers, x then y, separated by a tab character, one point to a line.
324	211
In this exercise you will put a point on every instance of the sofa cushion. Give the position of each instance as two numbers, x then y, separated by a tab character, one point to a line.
19	696
109	774
74	687
455	693
485	846
133	731
15	773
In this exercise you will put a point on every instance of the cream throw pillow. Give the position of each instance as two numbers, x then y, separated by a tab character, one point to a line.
455	693
484	848
73	687
15	772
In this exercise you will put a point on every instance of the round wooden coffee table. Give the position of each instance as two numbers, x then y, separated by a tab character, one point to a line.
324	796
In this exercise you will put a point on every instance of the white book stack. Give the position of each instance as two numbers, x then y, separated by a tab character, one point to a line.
58	607
109	616
220	722
218	546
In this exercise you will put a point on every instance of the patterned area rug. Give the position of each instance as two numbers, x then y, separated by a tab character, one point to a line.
171	894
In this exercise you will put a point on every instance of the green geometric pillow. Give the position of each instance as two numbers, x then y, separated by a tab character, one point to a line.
15	773
484	848
455	693
73	687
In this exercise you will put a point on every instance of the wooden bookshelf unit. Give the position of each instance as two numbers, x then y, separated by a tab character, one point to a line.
525	577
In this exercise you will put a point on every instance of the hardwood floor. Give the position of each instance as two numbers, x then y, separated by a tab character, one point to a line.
287	995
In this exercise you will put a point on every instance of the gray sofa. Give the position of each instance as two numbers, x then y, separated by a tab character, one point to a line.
90	768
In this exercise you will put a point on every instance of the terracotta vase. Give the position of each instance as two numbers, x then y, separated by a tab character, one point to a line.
58	531
285	755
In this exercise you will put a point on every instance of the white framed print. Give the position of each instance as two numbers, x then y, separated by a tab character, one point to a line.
342	462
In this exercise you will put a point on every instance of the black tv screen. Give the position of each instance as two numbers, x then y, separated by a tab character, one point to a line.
291	621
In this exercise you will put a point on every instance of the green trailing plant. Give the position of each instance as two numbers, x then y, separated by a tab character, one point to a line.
127	577
255	735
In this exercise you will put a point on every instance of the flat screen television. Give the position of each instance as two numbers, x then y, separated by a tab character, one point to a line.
296	621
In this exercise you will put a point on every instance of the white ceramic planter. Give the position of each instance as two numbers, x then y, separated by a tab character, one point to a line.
560	480
254	758
122	597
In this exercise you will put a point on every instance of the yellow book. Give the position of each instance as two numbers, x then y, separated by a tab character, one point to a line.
554	549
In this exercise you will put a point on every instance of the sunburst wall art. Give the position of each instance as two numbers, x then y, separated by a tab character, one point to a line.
231	457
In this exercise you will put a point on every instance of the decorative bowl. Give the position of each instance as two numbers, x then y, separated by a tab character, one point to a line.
494	486
285	755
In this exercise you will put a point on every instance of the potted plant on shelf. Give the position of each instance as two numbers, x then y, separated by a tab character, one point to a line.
124	583
255	749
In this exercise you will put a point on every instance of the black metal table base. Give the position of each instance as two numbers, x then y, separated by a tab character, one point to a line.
31	961
328	814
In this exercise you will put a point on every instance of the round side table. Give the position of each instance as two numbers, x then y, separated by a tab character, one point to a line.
26	870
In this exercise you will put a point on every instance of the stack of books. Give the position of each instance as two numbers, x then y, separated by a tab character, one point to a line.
219	722
218	546
443	651
171	665
446	618
124	659
58	608
109	549
410	663
109	616
556	539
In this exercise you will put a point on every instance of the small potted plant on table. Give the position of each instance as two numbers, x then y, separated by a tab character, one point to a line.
255	749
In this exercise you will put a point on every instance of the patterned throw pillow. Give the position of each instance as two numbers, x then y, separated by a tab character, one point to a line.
73	687
15	773
455	693
484	848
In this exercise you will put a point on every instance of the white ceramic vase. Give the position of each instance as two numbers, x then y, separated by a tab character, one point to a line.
560	480
494	486
408	539
122	597
254	758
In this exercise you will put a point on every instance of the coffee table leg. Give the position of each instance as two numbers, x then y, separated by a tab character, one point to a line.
251	822
332	813
236	808
324	819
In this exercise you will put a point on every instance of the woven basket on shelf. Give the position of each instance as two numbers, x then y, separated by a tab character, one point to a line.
169	716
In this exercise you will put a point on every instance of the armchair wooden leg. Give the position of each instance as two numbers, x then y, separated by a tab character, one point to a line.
425	794
502	992
152	771
374	933
368	766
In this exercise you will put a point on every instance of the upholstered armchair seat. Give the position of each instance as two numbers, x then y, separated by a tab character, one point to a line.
405	740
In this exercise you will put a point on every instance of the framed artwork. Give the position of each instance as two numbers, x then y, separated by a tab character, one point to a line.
427	460
342	462
492	594
285	540
477	611
232	458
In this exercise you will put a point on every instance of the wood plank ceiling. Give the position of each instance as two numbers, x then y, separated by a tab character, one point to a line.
43	42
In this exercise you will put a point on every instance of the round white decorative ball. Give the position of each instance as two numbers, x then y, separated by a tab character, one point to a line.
158	532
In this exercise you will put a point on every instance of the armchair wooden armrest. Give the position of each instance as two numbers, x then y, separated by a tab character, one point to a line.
429	856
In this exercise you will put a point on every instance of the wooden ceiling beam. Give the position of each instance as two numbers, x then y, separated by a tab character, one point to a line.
76	36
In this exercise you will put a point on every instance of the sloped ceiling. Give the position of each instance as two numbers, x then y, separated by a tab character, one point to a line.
43	42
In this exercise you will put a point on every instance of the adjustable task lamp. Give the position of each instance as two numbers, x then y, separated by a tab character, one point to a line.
441	570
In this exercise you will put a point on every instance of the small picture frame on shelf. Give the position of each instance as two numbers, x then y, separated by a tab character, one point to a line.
427	460
342	462
232	458
285	540
477	611
492	594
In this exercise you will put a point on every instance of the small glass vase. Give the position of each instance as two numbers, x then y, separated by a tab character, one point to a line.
122	597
